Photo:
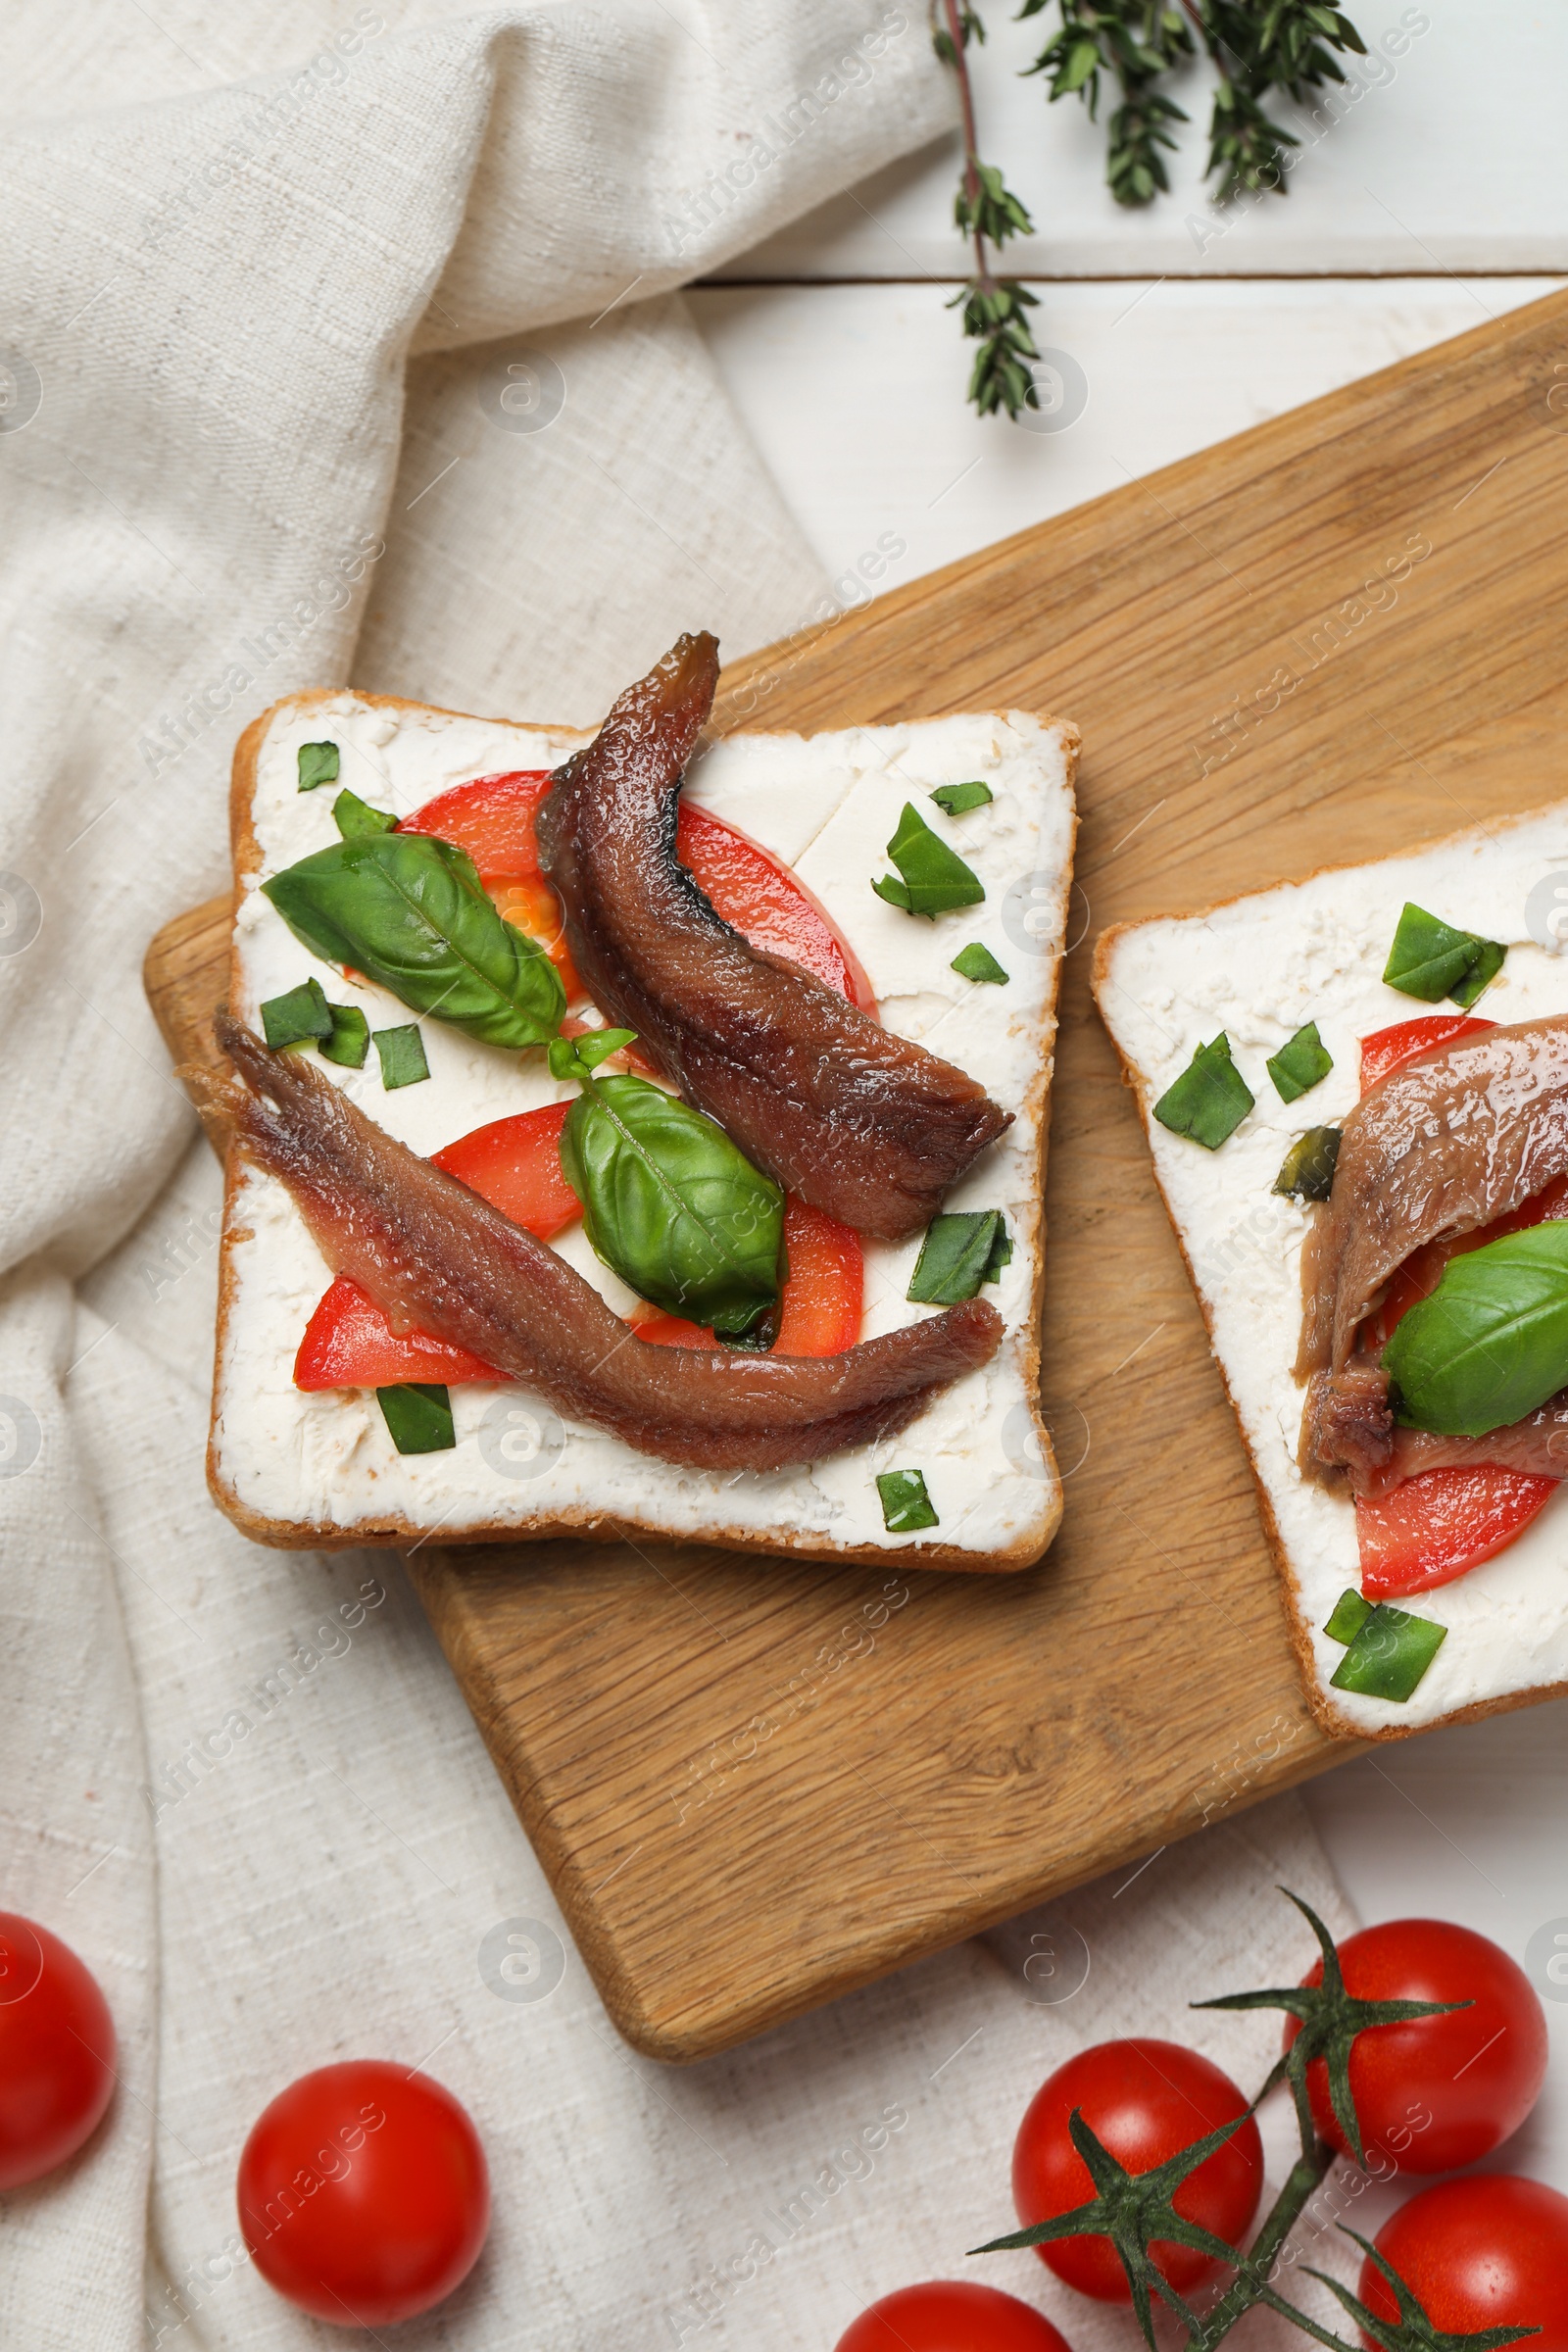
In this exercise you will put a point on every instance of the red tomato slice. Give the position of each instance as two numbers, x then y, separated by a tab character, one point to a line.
1386	1048
349	1344
822	1300
492	818
516	1165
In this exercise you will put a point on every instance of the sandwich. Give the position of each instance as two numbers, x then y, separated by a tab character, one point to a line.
633	1131
1356	1094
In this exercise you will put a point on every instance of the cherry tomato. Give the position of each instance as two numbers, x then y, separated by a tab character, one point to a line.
951	2315
349	1344
821	1305
514	1164
1438	2092
1144	2100
57	2051
364	2193
1385	1050
1487	2252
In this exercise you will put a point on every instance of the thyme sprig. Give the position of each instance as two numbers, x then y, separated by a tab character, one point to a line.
1133	2210
988	214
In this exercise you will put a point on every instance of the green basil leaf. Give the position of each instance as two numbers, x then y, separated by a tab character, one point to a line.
935	877
402	1055
1430	958
354	816
317	764
350	1040
1350	1613
672	1207
1209	1100
579	1056
975	963
1307	1168
1390	1654
418	1416
1300	1064
961	1249
410	913
956	797
1491	1344
905	1504
304	1014
1481	973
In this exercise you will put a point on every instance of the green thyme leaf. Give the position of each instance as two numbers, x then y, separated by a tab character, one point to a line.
1209	1100
418	1416
955	799
1430	960
317	764
1299	1065
961	1249
410	913
905	1504
672	1207
1307	1168
353	816
350	1040
935	877
1350	1613
304	1014
402	1055
1390	1655
975	963
1491	1344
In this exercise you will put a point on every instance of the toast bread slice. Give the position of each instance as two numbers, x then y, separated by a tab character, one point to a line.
1259	966
319	1470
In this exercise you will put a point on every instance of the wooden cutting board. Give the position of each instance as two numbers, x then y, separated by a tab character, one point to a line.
756	1785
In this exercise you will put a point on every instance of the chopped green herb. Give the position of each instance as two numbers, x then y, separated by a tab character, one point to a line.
935	877
319	765
402	1053
956	797
1299	1065
1209	1100
354	815
418	1416
1350	1613
1430	958
905	1504
975	963
1390	1654
1481	973
303	1014
350	1040
1307	1169
961	1249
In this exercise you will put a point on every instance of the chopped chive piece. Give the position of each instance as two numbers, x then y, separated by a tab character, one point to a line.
975	963
956	797
1350	1613
350	1040
304	1014
1481	973
1390	1654
1307	1168
1304	1063
354	816
1430	958
1209	1100
935	877
961	1249
402	1053
905	1504
319	765
418	1416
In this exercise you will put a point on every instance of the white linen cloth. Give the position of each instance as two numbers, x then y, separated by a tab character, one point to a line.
222	479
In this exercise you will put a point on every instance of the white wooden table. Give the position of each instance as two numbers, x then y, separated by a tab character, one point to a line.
1438	199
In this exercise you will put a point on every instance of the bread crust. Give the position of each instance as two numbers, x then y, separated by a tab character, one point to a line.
1325	1713
583	1522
